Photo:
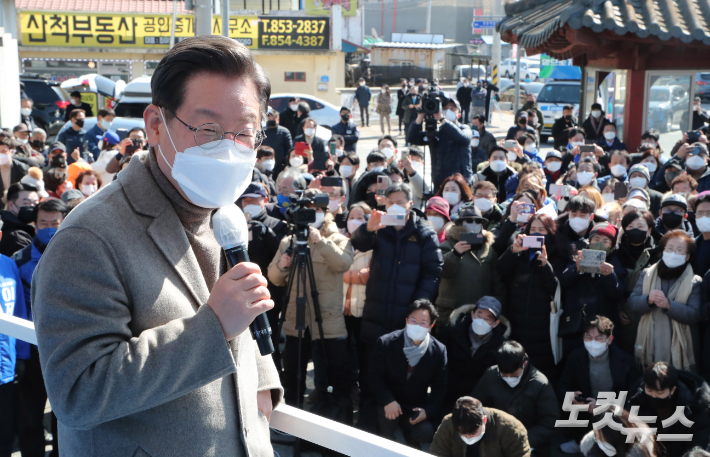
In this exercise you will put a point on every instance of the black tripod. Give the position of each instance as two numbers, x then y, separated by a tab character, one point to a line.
302	268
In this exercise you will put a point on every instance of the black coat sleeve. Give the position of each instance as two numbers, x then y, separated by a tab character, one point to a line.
377	374
363	240
438	386
432	262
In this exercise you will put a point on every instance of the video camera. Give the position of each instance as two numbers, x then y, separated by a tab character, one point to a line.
298	214
431	104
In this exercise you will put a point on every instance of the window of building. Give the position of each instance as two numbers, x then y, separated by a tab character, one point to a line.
297	76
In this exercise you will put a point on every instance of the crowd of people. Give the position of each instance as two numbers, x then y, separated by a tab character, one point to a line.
463	313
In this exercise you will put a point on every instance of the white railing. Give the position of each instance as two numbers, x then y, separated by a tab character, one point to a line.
302	424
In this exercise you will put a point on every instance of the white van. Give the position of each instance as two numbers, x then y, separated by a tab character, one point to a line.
472	72
134	98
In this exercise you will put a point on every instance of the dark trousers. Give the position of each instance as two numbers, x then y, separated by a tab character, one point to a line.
330	368
401	121
464	115
367	420
352	324
421	433
31	400
364	115
7	418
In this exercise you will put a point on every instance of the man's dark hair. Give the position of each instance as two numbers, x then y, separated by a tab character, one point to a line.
426	306
310	119
510	357
137	129
353	158
293	99
581	203
467	415
597	168
575	131
704	199
597	106
76	93
335	138
568	108
480	118
651	133
612	124
387	137
264	151
524	137
660	376
376	156
496	148
304	108
103	112
624	154
50	205
399	187
604	325
392	170
212	54
75	113
13	192
54	177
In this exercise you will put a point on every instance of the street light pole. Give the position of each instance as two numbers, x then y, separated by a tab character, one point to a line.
225	18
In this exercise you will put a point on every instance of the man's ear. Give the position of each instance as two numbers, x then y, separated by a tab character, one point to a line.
152	119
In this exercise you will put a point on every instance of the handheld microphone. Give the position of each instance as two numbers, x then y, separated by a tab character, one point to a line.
232	233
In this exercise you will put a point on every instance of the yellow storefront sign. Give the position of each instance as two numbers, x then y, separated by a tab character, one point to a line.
322	7
45	28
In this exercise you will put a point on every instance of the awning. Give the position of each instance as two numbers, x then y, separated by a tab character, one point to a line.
352	47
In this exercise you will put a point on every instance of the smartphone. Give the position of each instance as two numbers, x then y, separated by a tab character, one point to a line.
695	150
693	136
526	208
621	190
580	399
332	149
557	190
301	147
510	144
122	133
383	183
533	242
414	415
393	220
331	181
586	148
474	239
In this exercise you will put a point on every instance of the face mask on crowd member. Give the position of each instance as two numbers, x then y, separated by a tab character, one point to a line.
376	161
580	214
638	230
577	139
309	129
6	153
472	438
498	162
553	161
484	198
347	169
676	252
512	362
697	158
609	133
603	238
639	177
336	197
419	324
437	212
50	215
486	316
673	211
597	342
585	173
388	149
619	163
320	217
452	193
397	201
702	212
21	200
295	160
356	217
674	168
660	381
253	200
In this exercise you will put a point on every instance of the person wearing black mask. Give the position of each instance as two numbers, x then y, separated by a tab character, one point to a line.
636	251
73	137
522	125
674	210
38	139
17	232
401	94
347	129
463	95
662	390
279	139
77	103
562	126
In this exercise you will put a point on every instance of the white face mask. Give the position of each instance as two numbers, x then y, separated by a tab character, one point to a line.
437	222
26	111
396	209
309	132
212	177
652	167
450	115
416	332
483	204
637	182
254	210
596	114
530	148
584	177
418	166
319	219
339	152
512	157
268	164
608	197
353	225
4	159
22	141
703	224
475	142
480	327
333	205
88	189
579	224
362	84
346	171
595	348
296	161
695	162
618	170
474	439
104	125
388	152
452	197
294	107
609	135
673	260
513	382
497	165
553	166
472	227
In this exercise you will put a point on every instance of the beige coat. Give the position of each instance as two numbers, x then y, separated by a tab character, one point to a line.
357	294
134	361
332	256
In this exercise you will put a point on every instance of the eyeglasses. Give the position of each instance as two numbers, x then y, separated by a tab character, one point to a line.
680	251
599	338
700	214
206	134
424	323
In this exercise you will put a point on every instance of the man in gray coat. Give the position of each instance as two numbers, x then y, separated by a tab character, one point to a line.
142	331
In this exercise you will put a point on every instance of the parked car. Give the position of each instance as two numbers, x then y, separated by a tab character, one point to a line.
702	86
529	69
552	98
666	107
134	98
472	72
50	103
326	114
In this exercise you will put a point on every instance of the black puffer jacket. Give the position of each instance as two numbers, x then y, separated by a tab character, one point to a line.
15	234
693	393
406	266
531	289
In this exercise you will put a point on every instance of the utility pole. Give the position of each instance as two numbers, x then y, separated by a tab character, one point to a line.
225	18
428	17
517	81
172	24
203	17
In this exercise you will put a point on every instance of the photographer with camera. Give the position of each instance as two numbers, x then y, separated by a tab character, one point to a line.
332	256
450	143
129	145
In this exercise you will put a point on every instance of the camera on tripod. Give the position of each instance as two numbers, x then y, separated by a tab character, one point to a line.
431	104
299	214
